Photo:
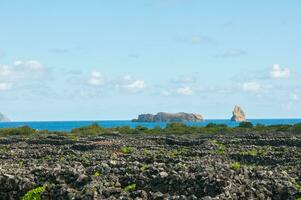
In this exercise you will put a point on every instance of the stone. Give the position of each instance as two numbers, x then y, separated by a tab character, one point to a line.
163	174
238	115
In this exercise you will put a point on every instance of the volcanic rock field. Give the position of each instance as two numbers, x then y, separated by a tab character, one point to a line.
240	166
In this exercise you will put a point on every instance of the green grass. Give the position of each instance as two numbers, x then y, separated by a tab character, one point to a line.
126	150
34	194
144	167
97	174
178	152
235	166
130	188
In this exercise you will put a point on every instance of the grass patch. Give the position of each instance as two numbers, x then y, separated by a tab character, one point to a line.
126	150
97	174
235	166
130	188
34	194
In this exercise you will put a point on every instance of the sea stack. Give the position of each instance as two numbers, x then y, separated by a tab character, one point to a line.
238	115
170	117
3	118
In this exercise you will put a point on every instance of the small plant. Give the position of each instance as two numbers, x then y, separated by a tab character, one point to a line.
34	194
73	137
220	151
220	147
48	157
235	166
97	174
252	152
126	150
297	185
62	158
21	163
178	152
130	188
144	167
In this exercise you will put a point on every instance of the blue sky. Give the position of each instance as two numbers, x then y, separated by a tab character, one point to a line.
82	60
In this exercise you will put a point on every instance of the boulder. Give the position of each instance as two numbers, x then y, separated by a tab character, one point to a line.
238	115
170	117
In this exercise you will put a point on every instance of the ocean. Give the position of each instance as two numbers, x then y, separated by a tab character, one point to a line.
69	125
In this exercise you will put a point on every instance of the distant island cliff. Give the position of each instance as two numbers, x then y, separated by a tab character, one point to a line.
169	117
3	118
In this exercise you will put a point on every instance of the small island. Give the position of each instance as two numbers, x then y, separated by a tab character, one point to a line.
170	117
3	118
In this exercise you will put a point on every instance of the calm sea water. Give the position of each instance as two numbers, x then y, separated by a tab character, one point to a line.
69	125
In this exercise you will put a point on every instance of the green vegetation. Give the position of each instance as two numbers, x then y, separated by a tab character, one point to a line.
93	129
126	150
130	188
97	174
221	148
235	166
257	152
34	194
24	130
177	152
21	163
245	125
144	167
170	129
297	185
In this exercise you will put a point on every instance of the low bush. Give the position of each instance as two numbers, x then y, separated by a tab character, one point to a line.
22	131
245	125
34	194
235	166
130	188
93	129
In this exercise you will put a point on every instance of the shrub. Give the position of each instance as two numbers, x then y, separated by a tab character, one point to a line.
141	128
235	166
245	125
126	150
130	188
213	125
280	127
125	130
23	131
34	194
93	129
297	128
97	174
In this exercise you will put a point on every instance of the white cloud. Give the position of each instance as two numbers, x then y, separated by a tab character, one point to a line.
4	86
96	79
18	62
278	72
130	84
4	70
21	73
294	97
136	85
33	65
233	53
200	39
251	87
185	91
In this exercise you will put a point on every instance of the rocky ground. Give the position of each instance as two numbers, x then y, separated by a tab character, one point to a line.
245	166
